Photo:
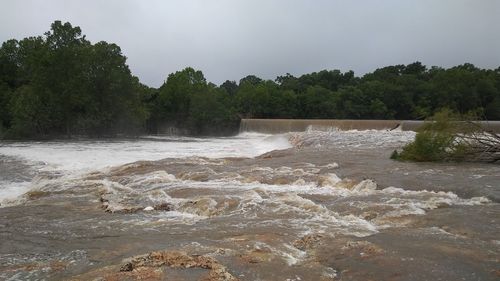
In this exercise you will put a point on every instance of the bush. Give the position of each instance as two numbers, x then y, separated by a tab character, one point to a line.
428	146
446	137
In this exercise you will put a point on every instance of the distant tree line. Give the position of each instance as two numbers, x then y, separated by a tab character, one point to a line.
60	84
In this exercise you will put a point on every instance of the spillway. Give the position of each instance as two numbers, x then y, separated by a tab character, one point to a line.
277	126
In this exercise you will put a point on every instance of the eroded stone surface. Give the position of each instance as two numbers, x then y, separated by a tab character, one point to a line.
155	266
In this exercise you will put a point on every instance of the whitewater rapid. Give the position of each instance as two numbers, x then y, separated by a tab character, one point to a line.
255	202
81	156
74	157
97	154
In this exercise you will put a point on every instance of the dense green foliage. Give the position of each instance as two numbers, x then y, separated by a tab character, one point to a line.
187	101
428	146
447	136
62	84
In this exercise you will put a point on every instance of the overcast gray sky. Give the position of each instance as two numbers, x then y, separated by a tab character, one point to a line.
229	39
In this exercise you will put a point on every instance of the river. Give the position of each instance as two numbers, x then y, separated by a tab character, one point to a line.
313	205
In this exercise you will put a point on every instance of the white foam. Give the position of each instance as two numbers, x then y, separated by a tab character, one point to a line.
10	191
78	157
93	155
293	255
365	186
333	165
352	139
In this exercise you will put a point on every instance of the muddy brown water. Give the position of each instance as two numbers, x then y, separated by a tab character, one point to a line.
332	207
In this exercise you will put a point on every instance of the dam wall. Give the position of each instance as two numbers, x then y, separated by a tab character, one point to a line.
277	126
413	125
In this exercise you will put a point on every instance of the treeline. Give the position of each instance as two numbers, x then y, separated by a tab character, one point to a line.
62	84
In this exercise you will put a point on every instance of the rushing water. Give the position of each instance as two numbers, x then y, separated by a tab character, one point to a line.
315	205
20	161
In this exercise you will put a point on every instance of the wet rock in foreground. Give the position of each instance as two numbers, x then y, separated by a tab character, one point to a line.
163	265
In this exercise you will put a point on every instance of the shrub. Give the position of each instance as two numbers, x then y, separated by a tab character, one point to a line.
446	137
428	146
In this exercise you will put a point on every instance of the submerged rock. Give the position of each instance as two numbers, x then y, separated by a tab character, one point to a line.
257	256
164	207
307	241
36	194
181	260
163	265
366	249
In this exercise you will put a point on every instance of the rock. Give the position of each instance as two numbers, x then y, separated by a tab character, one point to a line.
174	259
164	207
127	267
307	241
366	249
110	204
149	208
369	215
204	206
36	194
255	256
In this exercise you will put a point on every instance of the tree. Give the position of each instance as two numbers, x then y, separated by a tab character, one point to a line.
175	93
62	84
230	86
251	79
186	100
317	102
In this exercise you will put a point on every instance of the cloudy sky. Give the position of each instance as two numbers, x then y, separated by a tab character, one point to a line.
229	39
